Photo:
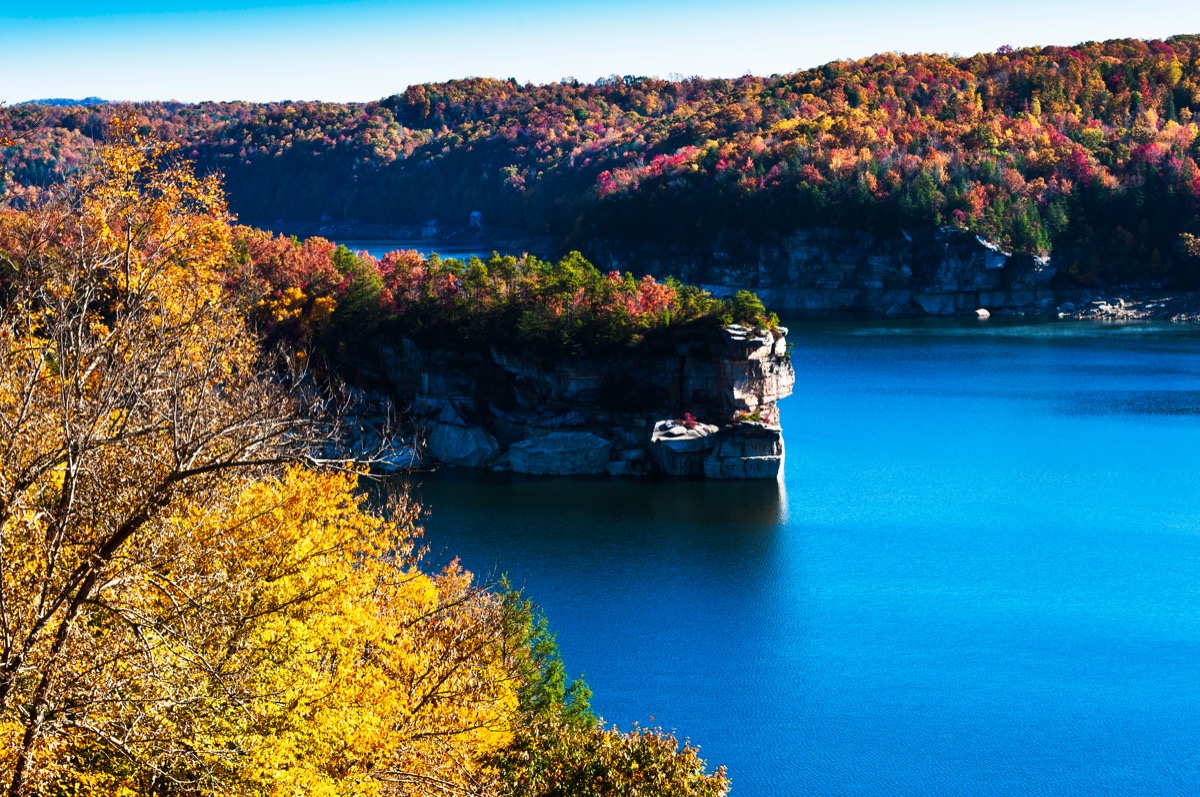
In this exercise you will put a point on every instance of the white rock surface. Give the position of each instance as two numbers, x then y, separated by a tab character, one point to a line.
468	446
679	438
453	441
679	451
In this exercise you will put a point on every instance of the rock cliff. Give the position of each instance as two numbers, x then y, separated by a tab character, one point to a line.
911	273
719	389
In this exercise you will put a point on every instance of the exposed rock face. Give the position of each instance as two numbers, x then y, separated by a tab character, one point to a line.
762	374
746	451
911	272
677	450
615	415
561	454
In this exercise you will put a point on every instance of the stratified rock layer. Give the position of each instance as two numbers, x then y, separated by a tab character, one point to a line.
678	450
916	272
746	451
666	408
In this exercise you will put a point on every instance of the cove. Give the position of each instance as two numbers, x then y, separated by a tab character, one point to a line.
978	575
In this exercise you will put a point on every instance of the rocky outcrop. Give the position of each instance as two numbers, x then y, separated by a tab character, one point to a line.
1134	306
917	272
679	449
666	408
746	451
760	373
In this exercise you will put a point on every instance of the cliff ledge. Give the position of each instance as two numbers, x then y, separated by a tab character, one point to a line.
703	403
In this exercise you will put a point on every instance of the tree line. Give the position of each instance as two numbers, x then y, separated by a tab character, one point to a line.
321	297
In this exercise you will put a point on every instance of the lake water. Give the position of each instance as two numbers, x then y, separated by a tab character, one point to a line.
445	249
980	574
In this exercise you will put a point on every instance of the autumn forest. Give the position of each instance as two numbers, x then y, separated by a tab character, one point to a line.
1087	151
194	601
197	597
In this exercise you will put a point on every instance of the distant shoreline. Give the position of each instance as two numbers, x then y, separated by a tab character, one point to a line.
1117	304
502	239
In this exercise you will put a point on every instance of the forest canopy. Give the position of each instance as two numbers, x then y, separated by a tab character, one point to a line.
1089	151
313	293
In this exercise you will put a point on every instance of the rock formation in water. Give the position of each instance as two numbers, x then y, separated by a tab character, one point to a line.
702	404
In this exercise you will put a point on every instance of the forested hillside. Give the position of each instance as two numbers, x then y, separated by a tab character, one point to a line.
1090	151
191	602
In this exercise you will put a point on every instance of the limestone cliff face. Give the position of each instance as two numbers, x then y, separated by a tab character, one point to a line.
913	272
498	410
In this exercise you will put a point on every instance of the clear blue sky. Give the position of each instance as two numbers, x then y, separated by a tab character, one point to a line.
337	50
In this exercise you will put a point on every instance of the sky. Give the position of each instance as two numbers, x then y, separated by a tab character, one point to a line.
264	50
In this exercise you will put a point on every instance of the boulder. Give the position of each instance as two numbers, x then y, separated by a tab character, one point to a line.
679	438
453	441
454	444
561	454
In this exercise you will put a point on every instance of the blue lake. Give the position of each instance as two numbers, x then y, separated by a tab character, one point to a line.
461	250
980	574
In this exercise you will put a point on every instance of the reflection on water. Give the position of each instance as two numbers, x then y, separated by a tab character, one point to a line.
537	530
977	577
731	504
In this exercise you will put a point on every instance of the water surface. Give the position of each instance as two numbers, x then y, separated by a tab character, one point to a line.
979	575
445	249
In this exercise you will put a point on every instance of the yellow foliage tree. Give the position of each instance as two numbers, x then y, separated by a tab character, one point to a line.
180	613
286	643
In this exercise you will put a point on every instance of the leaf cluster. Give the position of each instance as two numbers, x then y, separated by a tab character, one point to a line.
187	604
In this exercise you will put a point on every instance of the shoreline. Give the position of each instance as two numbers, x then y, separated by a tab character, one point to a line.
1137	305
1131	304
503	239
1118	304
